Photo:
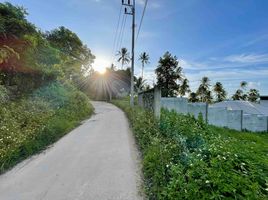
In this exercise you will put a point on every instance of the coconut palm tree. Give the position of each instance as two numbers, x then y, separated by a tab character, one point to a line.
243	85
124	57
144	58
184	87
220	92
139	84
253	95
238	95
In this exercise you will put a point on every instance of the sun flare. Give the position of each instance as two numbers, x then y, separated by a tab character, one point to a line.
101	64
101	70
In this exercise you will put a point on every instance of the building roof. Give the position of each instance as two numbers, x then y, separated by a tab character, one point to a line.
264	97
247	107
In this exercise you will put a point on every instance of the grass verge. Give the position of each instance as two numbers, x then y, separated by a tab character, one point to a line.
30	124
184	158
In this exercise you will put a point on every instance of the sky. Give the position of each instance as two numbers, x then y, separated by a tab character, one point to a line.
226	40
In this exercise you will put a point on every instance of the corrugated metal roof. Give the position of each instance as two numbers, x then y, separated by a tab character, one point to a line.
247	107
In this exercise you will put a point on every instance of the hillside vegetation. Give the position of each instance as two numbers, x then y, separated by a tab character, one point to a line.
184	158
28	125
41	74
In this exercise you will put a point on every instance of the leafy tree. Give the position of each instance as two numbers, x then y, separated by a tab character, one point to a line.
193	97
13	21
124	57
77	57
203	91
30	58
144	58
184	87
220	92
168	74
253	95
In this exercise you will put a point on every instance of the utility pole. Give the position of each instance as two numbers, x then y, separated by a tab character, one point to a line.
131	12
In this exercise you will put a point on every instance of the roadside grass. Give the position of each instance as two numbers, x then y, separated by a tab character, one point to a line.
184	158
30	124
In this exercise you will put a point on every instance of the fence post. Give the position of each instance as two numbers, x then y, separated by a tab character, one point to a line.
242	114
157	102
206	113
267	123
140	99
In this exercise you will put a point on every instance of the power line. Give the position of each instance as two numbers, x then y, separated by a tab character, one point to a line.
143	13
123	33
116	33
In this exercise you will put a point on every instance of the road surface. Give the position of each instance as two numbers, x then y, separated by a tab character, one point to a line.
96	161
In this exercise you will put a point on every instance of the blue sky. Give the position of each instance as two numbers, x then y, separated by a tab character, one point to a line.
226	40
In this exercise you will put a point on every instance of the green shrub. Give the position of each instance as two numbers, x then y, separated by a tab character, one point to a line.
184	158
29	125
3	94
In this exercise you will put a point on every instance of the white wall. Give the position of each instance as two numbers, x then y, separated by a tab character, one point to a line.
256	123
264	103
222	117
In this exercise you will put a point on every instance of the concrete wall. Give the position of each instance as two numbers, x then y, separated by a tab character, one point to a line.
264	103
177	104
234	119
151	100
256	123
217	116
222	117
196	109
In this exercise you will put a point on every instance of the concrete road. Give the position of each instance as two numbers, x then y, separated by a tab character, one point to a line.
96	161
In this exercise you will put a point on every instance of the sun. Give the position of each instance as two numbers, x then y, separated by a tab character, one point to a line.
100	65
101	70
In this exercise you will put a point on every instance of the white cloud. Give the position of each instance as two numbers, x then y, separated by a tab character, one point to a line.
247	58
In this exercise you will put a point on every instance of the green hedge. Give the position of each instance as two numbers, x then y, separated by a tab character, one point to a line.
183	158
29	125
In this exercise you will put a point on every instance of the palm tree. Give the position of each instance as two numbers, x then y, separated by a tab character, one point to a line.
238	95
243	85
124	57
139	84
220	92
144	58
203	90
184	87
193	97
253	95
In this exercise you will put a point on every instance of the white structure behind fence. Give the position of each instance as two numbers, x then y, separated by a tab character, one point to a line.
218	116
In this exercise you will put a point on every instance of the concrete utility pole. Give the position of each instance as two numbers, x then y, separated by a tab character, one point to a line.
131	12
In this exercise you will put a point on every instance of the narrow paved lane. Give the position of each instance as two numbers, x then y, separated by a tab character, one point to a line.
96	161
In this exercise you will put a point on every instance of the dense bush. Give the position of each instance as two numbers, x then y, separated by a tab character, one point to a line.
29	125
3	94
183	158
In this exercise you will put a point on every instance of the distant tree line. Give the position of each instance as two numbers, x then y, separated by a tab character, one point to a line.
173	83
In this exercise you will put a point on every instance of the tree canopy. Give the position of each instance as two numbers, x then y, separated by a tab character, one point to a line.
30	58
168	74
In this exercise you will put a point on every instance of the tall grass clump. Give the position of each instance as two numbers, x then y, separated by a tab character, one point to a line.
30	124
184	158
